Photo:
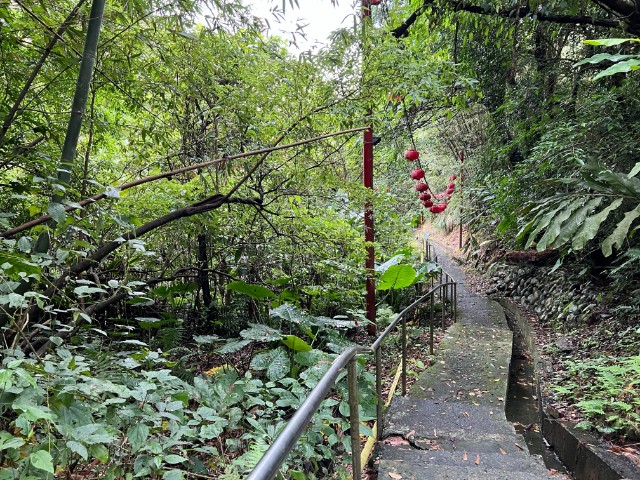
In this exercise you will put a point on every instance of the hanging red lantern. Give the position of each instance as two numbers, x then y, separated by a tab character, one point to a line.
417	174
411	155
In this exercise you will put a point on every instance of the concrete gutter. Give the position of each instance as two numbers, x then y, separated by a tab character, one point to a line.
582	453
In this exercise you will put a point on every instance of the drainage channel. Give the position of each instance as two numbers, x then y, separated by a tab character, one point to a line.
522	405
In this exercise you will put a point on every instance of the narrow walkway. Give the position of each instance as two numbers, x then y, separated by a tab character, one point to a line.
452	425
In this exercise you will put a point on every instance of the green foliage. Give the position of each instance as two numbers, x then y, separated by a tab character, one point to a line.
575	218
621	63
129	420
607	392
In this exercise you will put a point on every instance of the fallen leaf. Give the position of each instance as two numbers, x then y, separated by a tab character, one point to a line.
503	452
477	462
395	476
464	456
521	448
410	434
395	440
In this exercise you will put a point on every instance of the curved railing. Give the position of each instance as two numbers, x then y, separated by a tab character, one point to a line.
274	457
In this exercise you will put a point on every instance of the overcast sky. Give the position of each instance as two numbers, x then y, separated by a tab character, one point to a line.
320	16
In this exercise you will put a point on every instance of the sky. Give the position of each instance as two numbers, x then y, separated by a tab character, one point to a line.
319	16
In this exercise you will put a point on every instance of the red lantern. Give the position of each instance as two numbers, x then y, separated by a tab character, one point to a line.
417	174
411	155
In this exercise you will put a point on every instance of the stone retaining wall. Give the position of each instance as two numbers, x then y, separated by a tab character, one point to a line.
563	299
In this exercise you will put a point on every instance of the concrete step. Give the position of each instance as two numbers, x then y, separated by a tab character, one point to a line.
511	461
419	471
432	418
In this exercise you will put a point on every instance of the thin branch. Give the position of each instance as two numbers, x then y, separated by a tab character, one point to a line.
100	196
515	12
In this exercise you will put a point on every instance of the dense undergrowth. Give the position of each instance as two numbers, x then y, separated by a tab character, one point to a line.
172	327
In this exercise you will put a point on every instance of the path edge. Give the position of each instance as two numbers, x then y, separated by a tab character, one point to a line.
581	452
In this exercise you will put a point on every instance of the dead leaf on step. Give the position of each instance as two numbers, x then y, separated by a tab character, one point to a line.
503	452
477	462
464	456
395	476
395	440
410	434
629	451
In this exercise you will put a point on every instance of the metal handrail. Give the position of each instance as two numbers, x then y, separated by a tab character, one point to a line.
270	463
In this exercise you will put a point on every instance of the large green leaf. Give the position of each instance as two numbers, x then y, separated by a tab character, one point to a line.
290	313
392	261
261	333
296	343
545	217
233	346
592	225
42	460
9	441
555	227
257	292
609	42
634	171
600	57
137	436
571	226
396	277
620	233
620	67
275	362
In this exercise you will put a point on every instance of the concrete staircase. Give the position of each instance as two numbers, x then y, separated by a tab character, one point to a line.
452	425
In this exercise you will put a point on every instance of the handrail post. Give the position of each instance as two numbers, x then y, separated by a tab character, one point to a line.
354	419
443	299
455	303
404	355
379	392
431	325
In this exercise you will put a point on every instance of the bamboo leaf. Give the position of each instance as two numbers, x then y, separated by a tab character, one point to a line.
620	233
634	171
592	225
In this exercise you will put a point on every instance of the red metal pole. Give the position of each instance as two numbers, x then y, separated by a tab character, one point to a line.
367	175
461	197
369	232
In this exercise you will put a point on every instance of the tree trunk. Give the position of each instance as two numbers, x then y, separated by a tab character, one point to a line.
203	272
78	107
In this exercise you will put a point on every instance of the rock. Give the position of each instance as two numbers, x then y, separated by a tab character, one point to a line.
564	344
